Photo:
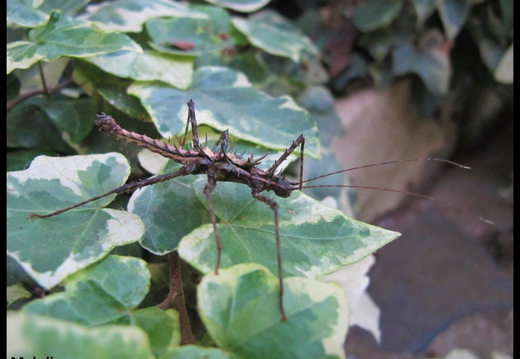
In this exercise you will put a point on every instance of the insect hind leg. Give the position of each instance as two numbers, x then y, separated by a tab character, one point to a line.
274	206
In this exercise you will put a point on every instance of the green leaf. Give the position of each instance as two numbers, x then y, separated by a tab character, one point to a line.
15	292
169	211
453	15
430	60
31	335
61	36
239	307
161	326
189	36
130	15
424	8
315	239
224	99
111	88
376	14
72	116
241	5
504	70
196	352
24	15
101	293
275	35
50	249
21	122
147	66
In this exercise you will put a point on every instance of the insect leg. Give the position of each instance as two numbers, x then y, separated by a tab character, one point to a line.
208	189
274	206
299	141
126	188
194	128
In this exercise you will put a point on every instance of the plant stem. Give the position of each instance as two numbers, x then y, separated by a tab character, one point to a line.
175	299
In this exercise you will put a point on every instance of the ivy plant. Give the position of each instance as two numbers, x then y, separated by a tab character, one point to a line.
86	283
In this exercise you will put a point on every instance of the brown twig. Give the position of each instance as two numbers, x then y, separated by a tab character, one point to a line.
175	299
26	95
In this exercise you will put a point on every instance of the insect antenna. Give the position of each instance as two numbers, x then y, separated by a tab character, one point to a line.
412	194
382	164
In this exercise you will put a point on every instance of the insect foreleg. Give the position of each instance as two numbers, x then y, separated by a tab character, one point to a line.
274	206
299	141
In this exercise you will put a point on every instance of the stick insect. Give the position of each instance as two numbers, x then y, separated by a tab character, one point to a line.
221	165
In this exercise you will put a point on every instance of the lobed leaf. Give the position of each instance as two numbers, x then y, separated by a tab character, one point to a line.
239	307
430	60
147	66
30	335
62	36
241	5
130	15
190	36
315	239
50	249
275	35
101	293
376	14
224	99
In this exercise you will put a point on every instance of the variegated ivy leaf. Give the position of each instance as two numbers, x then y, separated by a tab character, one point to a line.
62	36
30	335
102	293
315	239
429	59
147	66
225	100
51	249
191	36
241	5
239	307
130	15
108	292
275	35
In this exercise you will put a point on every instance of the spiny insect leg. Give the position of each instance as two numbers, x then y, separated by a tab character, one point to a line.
126	188
208	189
274	206
194	128
299	141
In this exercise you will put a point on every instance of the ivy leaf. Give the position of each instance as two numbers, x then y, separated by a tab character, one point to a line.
453	14
315	239
190	36
24	15
130	15
224	99
504	70
147	66
72	116
31	335
50	249
239	307
108	292
101	293
240	5
161	326
62	36
169	211
430	60
376	14
196	352
275	35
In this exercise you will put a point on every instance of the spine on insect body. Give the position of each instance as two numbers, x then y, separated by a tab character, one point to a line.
107	124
